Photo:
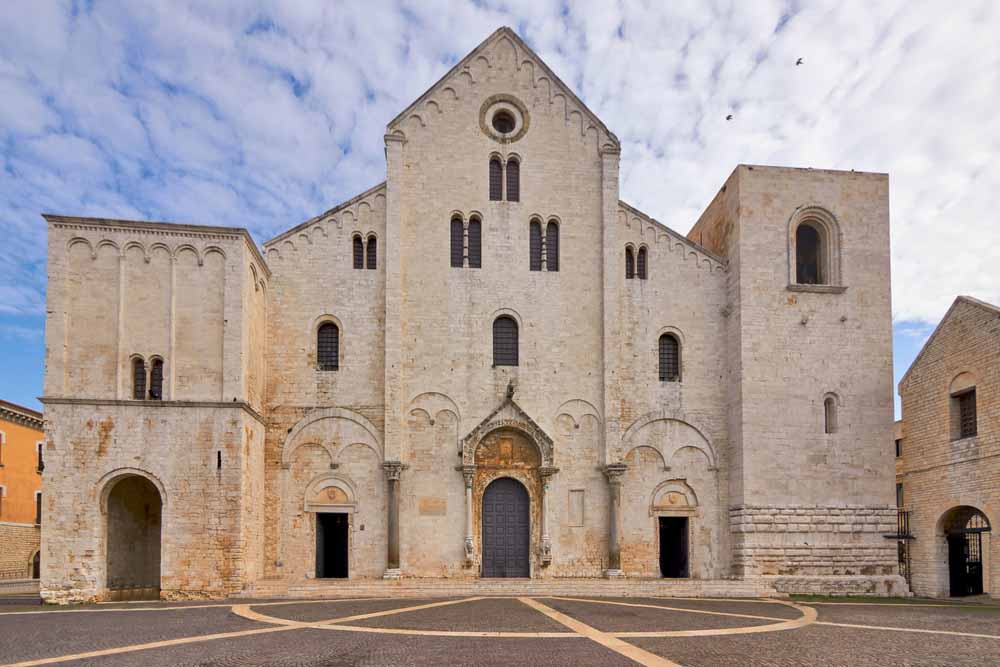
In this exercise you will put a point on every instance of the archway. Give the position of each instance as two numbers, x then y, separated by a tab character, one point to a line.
36	565
506	529
963	529
134	516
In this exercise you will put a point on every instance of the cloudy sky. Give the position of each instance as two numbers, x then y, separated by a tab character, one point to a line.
262	115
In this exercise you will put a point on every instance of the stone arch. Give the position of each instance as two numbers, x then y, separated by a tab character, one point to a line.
672	486
330	421
133	521
532	432
961	382
962	523
433	403
825	223
654	417
344	501
576	409
109	479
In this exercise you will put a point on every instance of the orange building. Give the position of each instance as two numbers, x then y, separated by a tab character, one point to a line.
21	450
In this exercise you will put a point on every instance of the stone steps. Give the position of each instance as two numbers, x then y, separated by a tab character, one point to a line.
420	587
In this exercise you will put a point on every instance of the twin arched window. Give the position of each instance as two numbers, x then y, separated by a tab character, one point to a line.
458	232
365	257
513	168
635	263
328	347
670	358
139	377
540	247
505	341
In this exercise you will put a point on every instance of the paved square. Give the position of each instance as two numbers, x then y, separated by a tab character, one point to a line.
660	632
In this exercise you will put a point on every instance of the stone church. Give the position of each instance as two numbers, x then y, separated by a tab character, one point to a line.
488	365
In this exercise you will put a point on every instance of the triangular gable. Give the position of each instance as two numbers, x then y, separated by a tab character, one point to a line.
972	301
508	414
627	211
523	55
325	214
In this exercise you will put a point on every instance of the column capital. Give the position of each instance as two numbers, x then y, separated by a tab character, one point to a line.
547	471
614	472
468	472
392	470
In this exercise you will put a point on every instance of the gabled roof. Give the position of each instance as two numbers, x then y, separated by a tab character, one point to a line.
522	47
336	209
972	301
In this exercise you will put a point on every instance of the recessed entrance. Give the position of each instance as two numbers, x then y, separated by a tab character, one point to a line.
964	532
331	545
134	518
673	547
506	529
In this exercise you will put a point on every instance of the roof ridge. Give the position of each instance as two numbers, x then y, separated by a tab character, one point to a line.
316	218
680	237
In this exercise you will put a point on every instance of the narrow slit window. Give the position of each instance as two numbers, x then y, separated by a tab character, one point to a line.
38	508
640	264
535	246
457	241
496	179
40	462
505	341
808	254
629	264
513	180
371	253
475	243
138	379
328	347
156	380
552	246
359	253
670	358
830	415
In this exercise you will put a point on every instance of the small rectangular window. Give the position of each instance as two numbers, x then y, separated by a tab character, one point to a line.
967	414
41	462
475	244
899	495
576	507
899	448
38	508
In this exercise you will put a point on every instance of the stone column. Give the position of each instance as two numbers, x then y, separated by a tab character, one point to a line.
392	470
614	474
546	555
468	472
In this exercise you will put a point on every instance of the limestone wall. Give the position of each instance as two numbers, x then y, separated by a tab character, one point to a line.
940	472
197	457
20	543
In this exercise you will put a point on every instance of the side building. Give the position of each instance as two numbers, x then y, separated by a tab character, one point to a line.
22	460
948	457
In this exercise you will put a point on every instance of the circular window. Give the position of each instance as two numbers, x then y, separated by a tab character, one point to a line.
503	118
503	122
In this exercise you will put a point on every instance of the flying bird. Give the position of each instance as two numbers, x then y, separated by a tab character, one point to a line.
729	117
798	62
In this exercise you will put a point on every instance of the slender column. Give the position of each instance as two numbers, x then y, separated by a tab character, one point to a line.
392	470
468	472
546	474
614	474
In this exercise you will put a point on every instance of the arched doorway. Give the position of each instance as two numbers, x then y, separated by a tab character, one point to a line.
133	539
963	529
506	529
36	565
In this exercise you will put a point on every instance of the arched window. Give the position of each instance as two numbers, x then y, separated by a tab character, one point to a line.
640	264
829	415
552	246
475	243
808	255
156	380
535	245
513	180
629	263
496	179
328	347
138	379
504	341
670	358
457	240
372	252
359	253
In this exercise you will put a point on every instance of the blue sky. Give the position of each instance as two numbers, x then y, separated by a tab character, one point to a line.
264	114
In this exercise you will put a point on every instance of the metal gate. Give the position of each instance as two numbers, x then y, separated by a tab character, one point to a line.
965	564
506	534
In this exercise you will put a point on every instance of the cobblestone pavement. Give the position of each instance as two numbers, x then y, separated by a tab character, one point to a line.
555	631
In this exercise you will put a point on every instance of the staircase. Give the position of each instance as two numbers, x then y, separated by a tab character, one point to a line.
582	587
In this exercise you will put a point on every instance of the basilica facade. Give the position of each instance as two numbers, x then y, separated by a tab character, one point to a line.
488	365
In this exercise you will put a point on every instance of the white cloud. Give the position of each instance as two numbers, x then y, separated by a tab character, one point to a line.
227	113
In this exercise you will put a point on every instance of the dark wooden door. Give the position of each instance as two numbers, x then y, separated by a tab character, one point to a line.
506	529
331	546
674	547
